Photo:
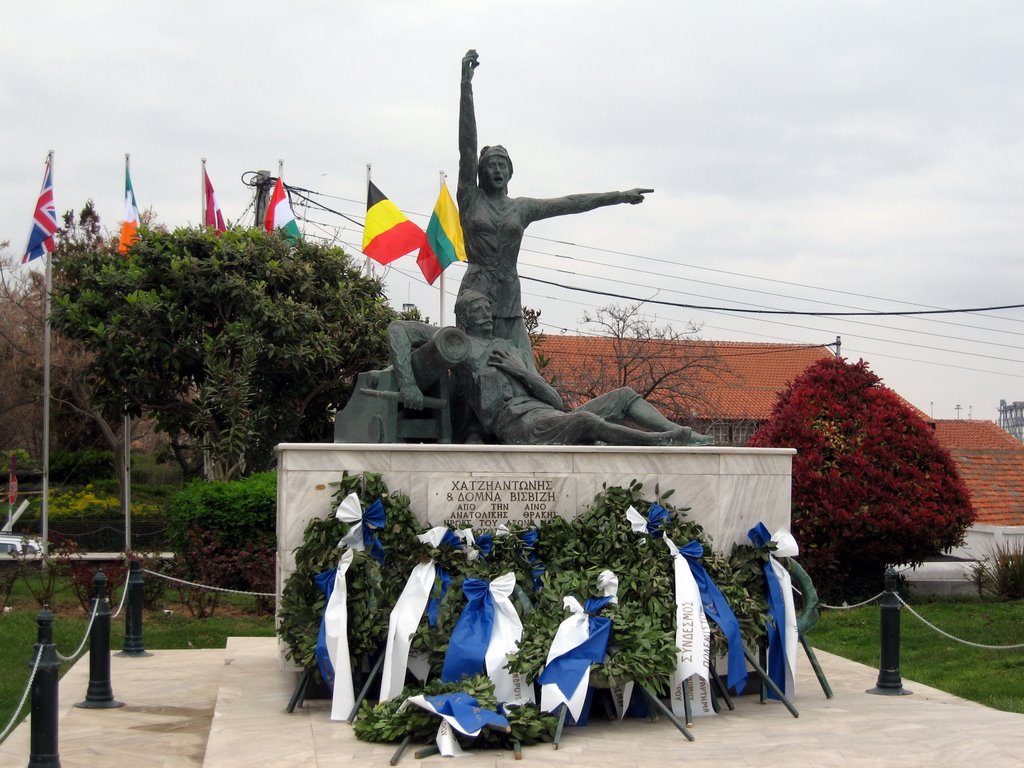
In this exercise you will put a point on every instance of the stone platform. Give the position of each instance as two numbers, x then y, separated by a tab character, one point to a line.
728	490
226	708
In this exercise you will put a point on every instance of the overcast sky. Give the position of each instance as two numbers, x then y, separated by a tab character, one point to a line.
805	155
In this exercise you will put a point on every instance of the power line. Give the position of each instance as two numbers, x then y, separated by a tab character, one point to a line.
304	193
927	315
871	325
803	313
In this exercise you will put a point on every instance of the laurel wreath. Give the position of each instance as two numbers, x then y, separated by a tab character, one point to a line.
566	559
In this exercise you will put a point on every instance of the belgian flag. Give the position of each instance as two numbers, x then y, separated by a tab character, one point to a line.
387	234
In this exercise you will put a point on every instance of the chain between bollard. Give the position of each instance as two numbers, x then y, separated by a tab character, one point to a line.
208	586
124	594
24	697
81	646
845	607
944	633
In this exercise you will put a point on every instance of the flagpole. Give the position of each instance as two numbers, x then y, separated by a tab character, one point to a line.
202	193
127	431
369	264
440	317
45	513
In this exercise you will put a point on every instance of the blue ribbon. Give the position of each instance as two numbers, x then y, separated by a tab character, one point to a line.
450	540
485	543
529	539
470	716
717	609
776	610
373	520
657	518
437	594
325	581
467	646
567	670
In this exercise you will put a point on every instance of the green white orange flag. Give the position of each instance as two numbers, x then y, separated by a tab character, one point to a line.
387	234
130	222
279	215
444	244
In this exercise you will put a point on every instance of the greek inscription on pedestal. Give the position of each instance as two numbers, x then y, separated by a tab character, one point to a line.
486	501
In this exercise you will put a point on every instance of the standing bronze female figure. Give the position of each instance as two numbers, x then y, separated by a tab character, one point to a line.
493	223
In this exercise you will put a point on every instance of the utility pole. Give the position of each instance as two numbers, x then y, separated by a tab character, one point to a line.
262	196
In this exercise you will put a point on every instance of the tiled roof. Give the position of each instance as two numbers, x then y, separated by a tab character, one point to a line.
954	433
991	462
745	380
995	479
742	383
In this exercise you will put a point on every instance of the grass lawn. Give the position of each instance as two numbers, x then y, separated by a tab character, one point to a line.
991	677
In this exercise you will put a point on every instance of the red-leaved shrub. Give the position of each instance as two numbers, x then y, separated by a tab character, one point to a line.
871	486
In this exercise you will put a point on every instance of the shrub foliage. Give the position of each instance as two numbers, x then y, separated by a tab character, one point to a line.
241	510
224	534
871	486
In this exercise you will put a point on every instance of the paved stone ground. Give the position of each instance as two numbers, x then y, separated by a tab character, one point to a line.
224	709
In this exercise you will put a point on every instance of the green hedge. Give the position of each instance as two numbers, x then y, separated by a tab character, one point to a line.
81	467
240	510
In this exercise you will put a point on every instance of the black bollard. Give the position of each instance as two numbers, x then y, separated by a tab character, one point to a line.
43	740
889	682
133	645
99	694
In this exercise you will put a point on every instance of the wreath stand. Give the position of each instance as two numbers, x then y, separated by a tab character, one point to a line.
654	704
302	687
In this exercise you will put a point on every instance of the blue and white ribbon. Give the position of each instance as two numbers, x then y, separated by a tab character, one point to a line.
487	633
693	639
783	635
332	641
405	617
437	537
654	525
363	526
717	609
580	641
459	711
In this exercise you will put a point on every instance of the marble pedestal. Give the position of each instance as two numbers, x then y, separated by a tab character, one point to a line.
728	490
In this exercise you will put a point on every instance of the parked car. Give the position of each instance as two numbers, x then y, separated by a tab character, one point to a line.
16	544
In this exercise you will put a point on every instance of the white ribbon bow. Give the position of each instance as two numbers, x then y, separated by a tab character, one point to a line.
636	520
350	511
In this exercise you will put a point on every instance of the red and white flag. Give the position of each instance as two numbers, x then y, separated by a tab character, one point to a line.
212	215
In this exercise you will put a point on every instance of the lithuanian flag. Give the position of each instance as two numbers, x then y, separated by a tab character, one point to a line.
387	234
444	244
